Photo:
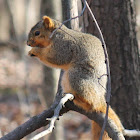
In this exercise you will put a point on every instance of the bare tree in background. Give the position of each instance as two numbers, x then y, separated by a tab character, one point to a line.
117	21
50	81
50	75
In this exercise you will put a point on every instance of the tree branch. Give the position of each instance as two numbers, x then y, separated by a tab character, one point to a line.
40	120
8	43
131	133
67	97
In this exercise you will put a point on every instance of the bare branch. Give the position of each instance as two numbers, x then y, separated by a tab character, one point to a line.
40	120
8	43
131	133
67	97
68	20
100	79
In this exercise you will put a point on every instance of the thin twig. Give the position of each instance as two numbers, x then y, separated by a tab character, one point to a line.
108	70
67	97
9	43
69	20
100	79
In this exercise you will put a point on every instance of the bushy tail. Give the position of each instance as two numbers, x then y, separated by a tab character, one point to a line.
96	129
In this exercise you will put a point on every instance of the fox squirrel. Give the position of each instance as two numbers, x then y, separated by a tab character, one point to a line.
82	58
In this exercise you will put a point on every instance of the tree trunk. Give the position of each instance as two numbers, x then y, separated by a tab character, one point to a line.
117	22
70	10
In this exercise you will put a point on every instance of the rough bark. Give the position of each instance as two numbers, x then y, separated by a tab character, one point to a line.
117	21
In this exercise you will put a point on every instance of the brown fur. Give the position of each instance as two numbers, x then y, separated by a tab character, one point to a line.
81	56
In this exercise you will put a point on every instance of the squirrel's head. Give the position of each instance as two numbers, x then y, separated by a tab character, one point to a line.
39	35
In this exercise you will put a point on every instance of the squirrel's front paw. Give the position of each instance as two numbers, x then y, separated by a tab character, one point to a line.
30	53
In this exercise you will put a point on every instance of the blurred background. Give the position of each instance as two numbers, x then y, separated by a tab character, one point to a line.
27	87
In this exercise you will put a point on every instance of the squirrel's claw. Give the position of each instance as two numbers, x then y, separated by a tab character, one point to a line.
31	54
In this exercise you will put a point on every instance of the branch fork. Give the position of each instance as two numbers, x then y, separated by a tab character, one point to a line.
67	96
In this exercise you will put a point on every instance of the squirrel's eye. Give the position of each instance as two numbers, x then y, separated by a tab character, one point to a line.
37	33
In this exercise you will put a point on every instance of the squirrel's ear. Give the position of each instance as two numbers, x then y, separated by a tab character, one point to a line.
48	22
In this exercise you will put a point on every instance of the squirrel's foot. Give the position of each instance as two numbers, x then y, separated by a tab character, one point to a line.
31	54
